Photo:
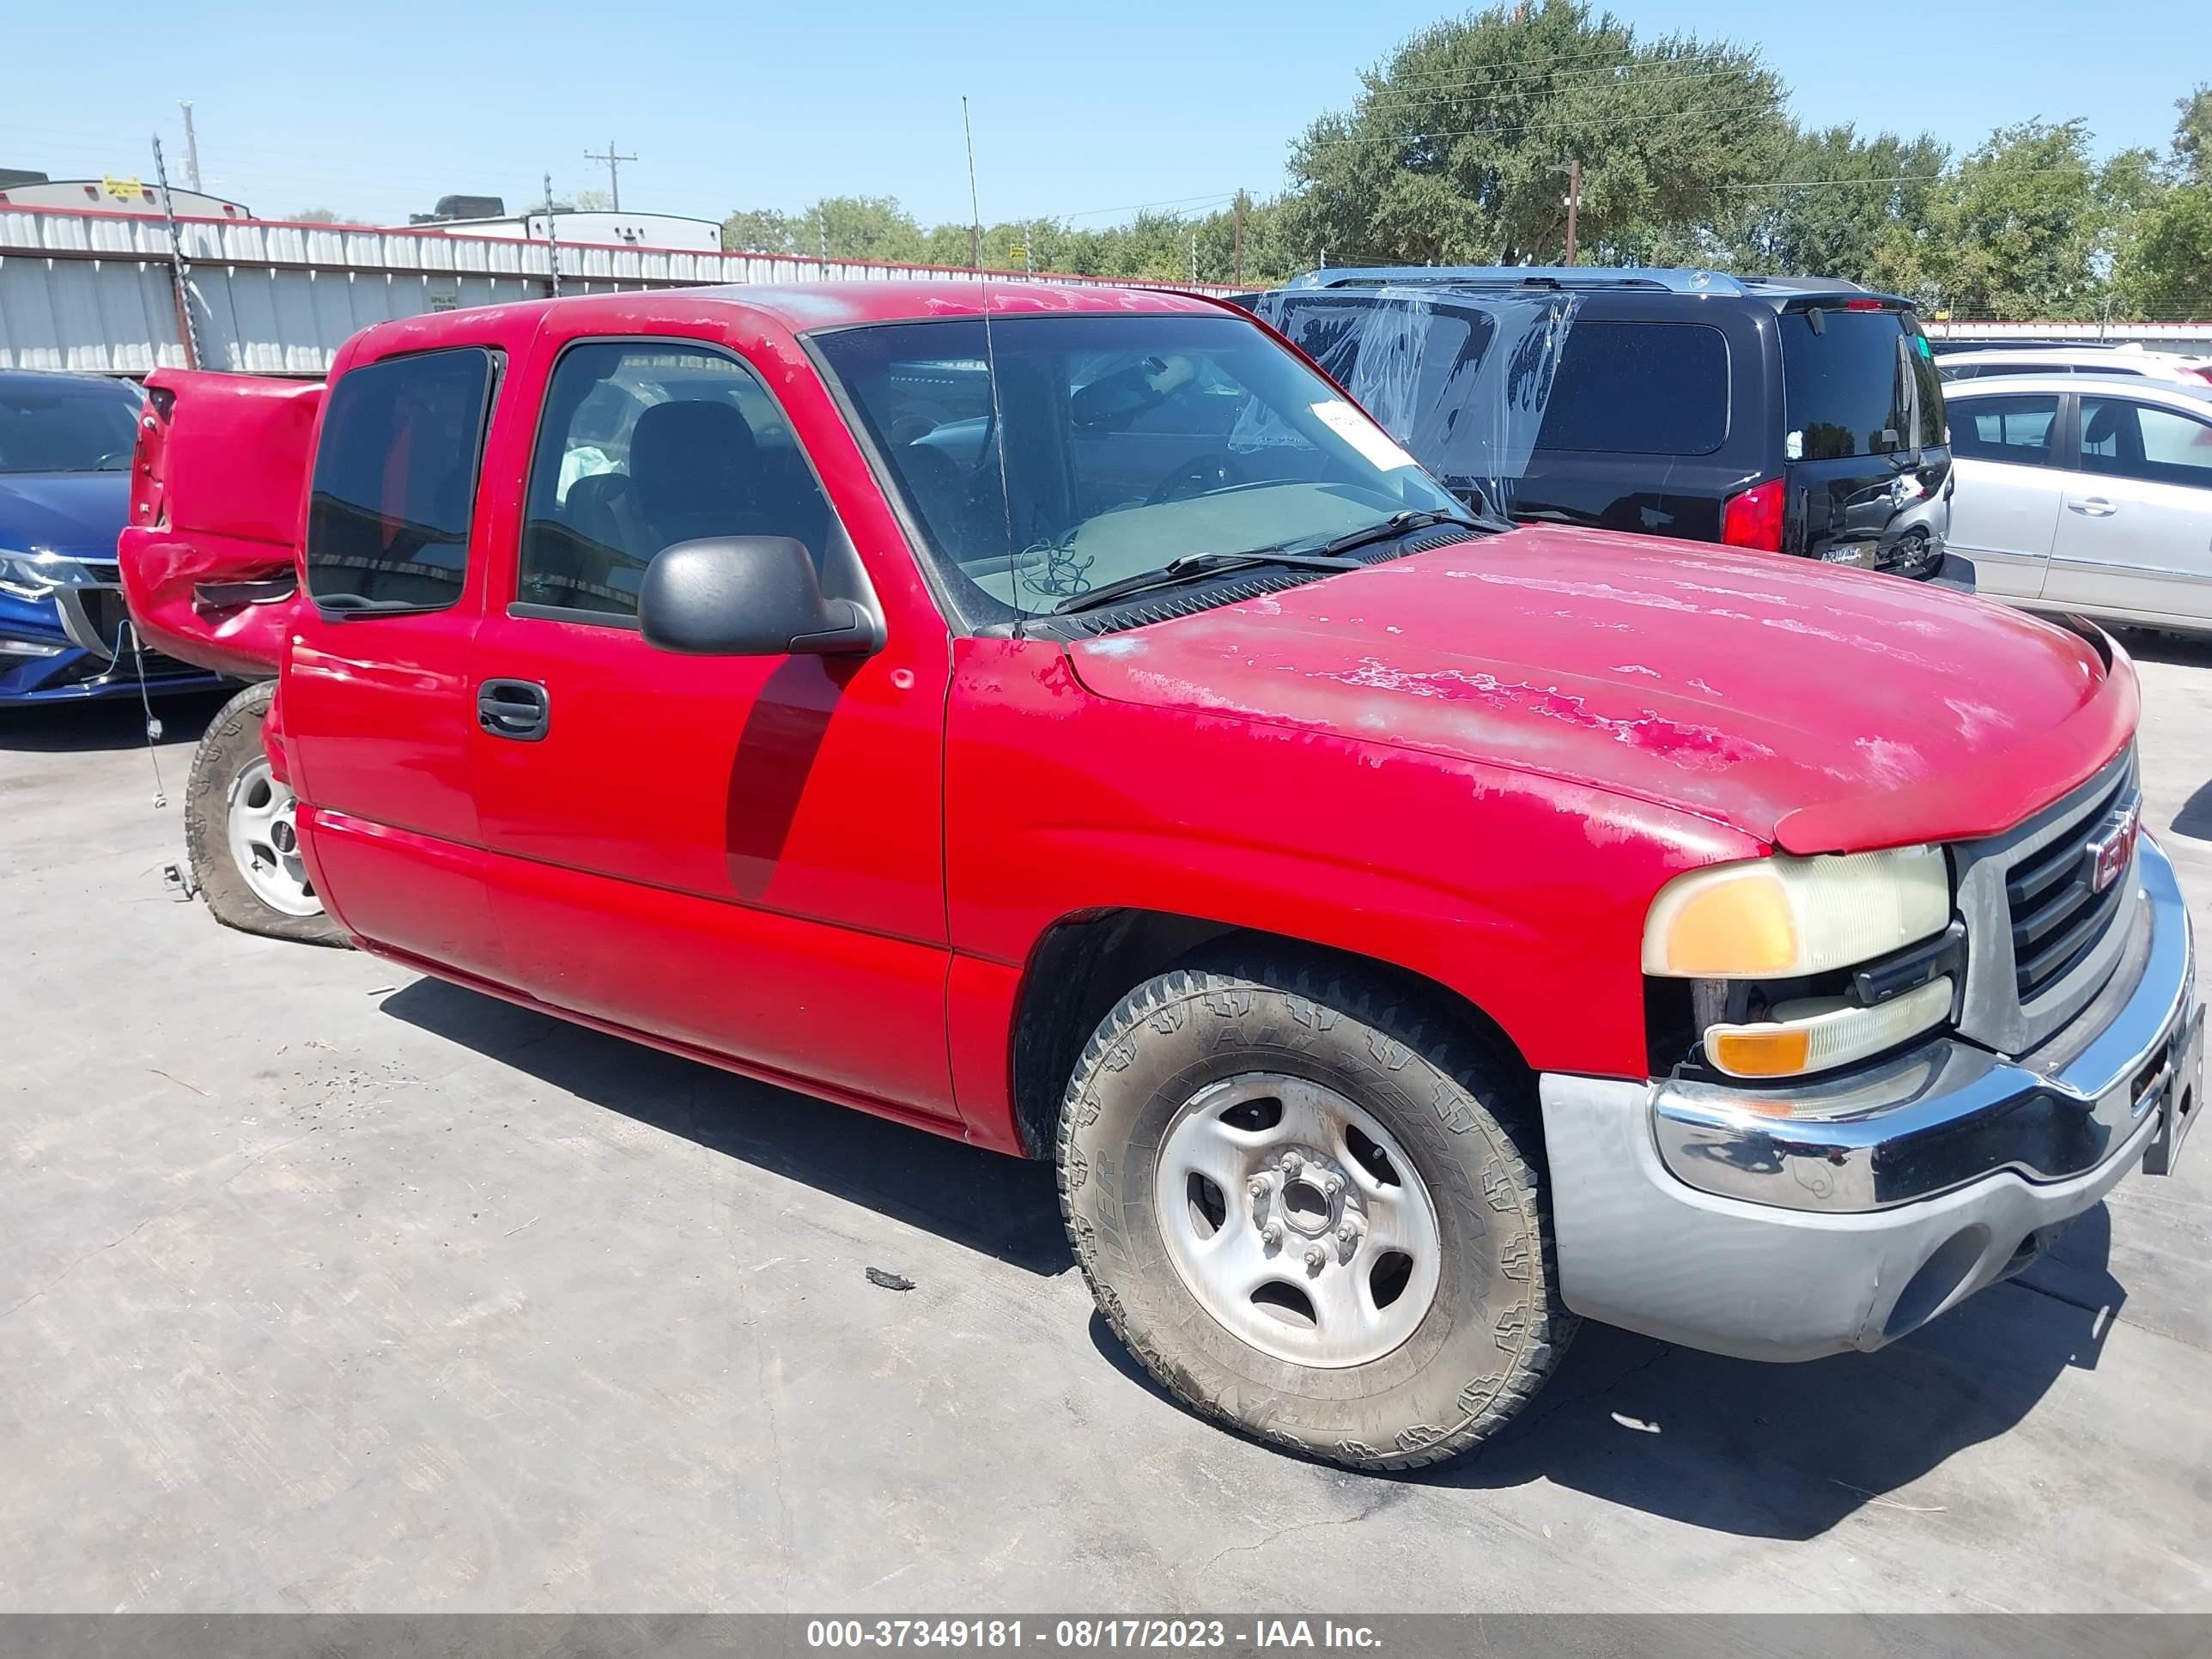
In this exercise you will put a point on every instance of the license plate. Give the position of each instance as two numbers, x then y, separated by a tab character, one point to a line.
1860	556
2181	1100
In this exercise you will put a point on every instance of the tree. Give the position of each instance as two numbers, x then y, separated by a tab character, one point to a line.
594	201
1456	151
1838	198
317	216
758	230
2165	267
2026	227
2191	162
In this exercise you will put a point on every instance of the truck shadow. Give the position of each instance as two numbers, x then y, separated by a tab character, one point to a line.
57	728
1765	1451
1002	1207
1786	1452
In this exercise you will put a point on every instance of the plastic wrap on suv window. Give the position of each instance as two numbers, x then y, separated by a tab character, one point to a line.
1462	381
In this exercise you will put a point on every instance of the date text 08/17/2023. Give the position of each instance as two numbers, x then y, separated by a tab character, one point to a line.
1084	1634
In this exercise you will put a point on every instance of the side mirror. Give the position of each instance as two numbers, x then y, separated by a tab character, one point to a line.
747	596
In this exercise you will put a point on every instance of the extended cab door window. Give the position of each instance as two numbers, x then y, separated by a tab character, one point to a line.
395	482
644	444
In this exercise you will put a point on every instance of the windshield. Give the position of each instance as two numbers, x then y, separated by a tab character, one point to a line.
1129	442
67	425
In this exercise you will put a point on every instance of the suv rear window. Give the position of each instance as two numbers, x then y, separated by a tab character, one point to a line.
1845	388
1639	389
395	483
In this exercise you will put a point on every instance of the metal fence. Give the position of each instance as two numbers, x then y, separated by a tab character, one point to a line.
99	291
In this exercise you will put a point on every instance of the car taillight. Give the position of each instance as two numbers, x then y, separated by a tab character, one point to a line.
1754	518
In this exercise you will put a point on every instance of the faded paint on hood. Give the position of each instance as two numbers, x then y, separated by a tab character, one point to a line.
1816	708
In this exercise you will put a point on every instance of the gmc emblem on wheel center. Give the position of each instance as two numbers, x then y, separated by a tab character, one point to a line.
2109	854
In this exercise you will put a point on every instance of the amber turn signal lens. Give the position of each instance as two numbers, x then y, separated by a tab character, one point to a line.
1779	1051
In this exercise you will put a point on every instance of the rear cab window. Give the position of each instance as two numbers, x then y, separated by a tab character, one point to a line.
1851	384
395	482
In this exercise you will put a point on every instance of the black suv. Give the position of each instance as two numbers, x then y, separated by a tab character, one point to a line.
1793	414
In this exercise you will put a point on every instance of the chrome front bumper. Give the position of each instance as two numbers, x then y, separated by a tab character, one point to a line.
1843	1214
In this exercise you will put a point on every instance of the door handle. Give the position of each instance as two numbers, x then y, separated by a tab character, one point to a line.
520	709
2092	507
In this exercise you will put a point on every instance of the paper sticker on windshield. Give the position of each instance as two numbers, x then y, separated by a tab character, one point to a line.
1362	433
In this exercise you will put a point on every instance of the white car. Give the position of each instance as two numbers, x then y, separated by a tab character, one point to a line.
2170	367
2088	493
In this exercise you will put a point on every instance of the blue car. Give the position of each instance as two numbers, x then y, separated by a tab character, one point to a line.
65	443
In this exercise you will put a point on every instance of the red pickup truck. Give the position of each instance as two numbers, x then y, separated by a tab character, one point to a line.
1059	719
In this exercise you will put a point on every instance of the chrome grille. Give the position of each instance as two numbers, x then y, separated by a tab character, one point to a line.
2057	910
2042	935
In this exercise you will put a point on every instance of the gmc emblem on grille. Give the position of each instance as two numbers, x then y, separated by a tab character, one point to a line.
2108	855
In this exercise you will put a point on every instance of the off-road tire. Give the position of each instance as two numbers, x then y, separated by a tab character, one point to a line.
1461	1106
231	743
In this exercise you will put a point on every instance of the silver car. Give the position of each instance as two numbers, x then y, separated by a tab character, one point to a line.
2086	493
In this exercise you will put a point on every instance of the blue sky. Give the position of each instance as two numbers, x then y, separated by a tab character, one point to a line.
1081	112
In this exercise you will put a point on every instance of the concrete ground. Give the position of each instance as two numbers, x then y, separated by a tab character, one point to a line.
324	1288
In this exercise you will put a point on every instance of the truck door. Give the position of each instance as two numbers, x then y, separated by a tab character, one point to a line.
737	854
376	691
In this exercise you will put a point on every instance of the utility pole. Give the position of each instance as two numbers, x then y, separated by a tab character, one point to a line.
180	272
975	247
552	245
191	148
1574	203
1237	214
612	163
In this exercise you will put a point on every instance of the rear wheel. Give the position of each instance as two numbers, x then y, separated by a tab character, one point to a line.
239	831
1313	1215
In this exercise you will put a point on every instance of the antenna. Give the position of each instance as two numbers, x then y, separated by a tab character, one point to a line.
991	372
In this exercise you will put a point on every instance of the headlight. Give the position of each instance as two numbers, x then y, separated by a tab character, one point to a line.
38	575
1770	941
1784	918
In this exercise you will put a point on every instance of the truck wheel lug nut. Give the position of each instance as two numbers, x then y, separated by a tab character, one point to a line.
1256	1187
1272	1233
1291	1164
1314	1256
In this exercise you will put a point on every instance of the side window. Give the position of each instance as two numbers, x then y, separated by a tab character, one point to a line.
1639	389
644	444
395	482
2016	430
2125	439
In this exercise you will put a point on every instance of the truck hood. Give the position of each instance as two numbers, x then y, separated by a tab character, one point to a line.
75	514
1818	709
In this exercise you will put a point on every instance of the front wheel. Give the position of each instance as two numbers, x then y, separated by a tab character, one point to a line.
1312	1214
239	831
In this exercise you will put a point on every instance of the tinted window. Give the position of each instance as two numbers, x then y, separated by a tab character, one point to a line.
1639	389
647	444
1990	370
1847	389
395	482
66	425
2125	439
2014	429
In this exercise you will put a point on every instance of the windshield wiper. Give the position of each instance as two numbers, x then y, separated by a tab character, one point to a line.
1193	566
1329	556
1401	524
